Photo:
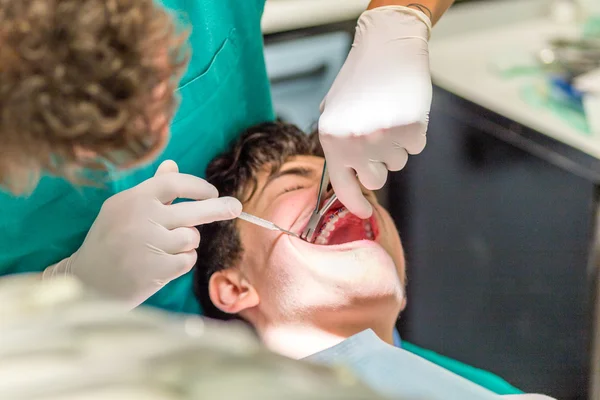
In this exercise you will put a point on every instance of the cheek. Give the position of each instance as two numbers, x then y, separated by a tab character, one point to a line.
255	244
266	264
286	208
284	268
281	282
390	241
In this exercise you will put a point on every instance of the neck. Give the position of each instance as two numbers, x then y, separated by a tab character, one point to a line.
302	340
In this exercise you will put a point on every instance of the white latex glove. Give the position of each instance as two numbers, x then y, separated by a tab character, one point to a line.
140	241
377	110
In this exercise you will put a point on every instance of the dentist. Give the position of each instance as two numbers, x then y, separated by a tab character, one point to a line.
87	99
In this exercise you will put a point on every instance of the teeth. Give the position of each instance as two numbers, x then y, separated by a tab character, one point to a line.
368	230
329	225
321	240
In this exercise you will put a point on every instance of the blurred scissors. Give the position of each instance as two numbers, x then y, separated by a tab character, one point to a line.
317	216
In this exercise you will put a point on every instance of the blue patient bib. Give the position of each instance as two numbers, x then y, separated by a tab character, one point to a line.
398	373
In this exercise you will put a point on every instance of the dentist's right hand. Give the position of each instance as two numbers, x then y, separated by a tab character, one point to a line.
140	241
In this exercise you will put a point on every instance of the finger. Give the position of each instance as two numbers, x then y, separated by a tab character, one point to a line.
413	141
173	185
166	167
180	264
180	240
372	175
396	159
346	187
194	213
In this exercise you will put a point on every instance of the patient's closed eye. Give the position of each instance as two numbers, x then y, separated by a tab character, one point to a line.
292	188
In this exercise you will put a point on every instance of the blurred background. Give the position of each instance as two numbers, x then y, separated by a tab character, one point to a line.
499	215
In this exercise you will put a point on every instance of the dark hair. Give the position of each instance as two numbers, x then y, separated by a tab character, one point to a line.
234	174
77	80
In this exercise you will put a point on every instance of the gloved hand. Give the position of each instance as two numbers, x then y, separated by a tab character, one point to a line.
140	241
377	110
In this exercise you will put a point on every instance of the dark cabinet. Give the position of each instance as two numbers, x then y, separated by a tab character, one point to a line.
498	224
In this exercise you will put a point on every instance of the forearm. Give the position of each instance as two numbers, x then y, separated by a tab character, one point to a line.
434	9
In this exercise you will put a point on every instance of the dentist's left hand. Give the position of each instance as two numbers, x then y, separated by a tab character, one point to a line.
140	241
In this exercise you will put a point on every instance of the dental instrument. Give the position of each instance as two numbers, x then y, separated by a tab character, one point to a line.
264	223
309	233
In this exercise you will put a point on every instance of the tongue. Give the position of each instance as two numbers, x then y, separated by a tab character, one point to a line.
349	229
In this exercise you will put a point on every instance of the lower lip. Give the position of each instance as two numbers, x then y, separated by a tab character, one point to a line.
365	243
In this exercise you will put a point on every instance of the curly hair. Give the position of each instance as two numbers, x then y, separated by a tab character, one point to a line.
81	85
234	174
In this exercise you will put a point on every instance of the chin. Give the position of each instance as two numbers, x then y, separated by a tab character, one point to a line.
352	276
362	267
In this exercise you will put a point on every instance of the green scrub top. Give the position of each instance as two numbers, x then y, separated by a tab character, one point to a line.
224	91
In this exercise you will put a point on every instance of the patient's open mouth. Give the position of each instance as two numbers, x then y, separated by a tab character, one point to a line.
340	226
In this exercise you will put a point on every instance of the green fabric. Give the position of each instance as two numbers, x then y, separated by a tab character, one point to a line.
475	375
224	91
540	94
591	29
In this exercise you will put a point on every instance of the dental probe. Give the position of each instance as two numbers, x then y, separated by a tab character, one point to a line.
264	223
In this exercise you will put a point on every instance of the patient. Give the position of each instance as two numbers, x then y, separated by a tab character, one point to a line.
336	300
300	297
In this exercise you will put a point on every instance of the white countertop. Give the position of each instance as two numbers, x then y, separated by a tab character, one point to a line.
285	15
461	62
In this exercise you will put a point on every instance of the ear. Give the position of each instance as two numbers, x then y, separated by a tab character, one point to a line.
231	292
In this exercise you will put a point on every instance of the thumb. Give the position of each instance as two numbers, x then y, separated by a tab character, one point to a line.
167	167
